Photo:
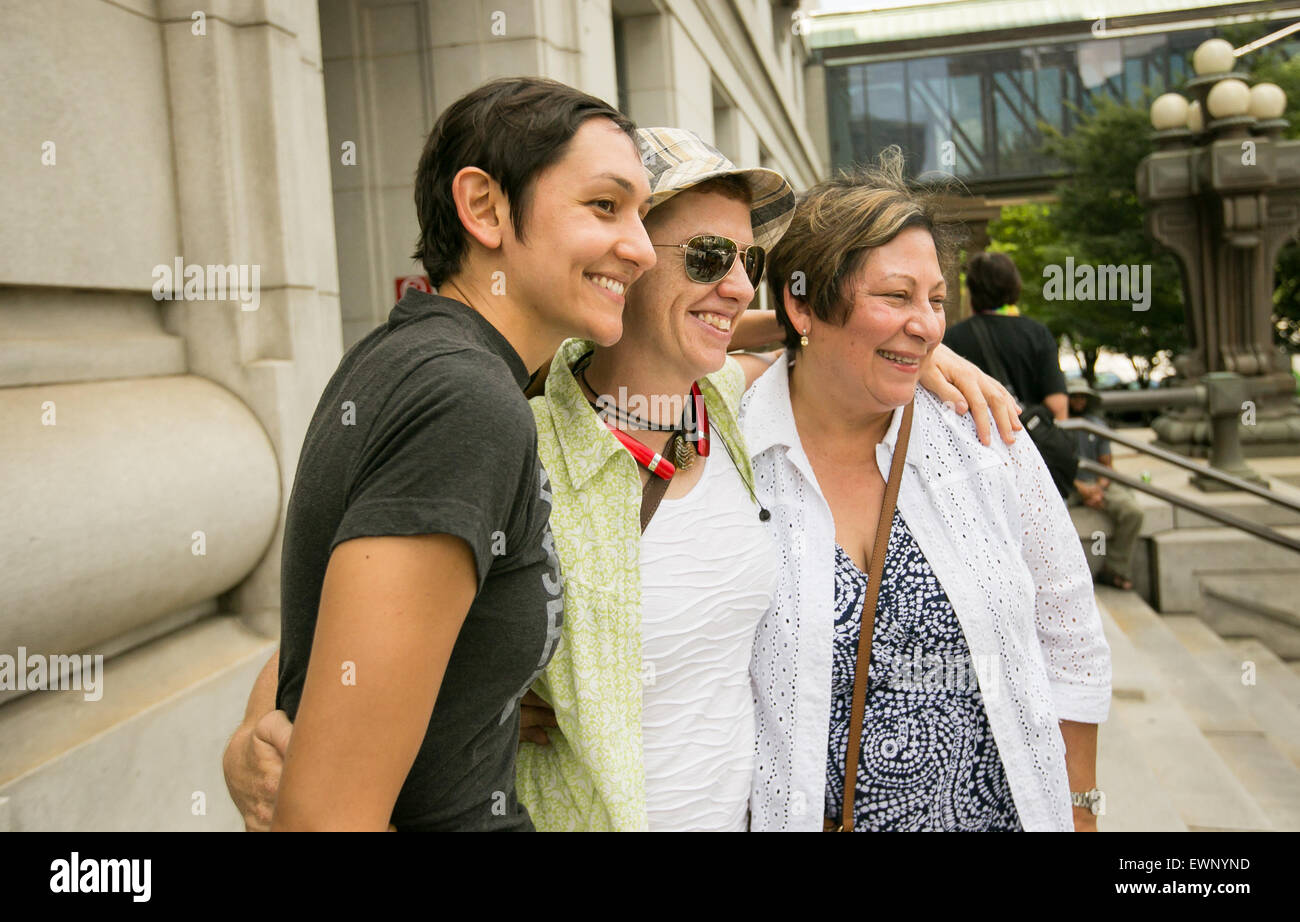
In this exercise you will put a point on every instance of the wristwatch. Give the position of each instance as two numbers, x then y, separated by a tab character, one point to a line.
1090	800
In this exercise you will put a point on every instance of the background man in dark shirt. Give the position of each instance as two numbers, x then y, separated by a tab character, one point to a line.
1027	348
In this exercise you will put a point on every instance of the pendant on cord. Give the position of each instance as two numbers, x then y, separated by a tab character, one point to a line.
683	452
690	439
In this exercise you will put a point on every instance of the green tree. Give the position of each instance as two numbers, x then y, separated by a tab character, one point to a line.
1097	221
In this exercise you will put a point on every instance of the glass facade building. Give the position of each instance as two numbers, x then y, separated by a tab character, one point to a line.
978	113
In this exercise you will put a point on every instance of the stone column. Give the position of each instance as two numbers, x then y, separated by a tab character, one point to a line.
152	442
247	106
129	506
669	79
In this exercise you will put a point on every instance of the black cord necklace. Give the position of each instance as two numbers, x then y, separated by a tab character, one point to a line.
679	446
623	416
683	449
604	404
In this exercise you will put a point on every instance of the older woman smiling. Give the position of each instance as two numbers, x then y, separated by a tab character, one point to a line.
982	574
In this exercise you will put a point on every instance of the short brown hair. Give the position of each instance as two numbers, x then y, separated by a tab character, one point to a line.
993	281
732	187
512	128
837	223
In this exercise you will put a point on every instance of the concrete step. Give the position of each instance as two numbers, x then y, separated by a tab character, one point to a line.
1239	678
1283	474
1264	762
1270	669
1135	800
1192	776
1244	505
1259	605
1269	776
1132	677
1196	691
1181	556
147	755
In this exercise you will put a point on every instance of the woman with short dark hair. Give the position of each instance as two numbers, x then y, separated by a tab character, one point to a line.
421	590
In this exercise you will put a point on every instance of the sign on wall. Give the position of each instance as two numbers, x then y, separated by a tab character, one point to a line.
418	282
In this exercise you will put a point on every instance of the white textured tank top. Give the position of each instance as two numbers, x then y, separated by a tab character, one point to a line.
708	574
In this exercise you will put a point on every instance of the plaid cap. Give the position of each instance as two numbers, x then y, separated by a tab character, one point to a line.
678	159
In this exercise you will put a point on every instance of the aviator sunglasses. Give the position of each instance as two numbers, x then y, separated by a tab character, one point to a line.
709	258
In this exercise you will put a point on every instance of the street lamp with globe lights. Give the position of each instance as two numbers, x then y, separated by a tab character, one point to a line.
1222	192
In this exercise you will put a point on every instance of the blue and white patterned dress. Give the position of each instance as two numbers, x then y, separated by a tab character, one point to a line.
928	761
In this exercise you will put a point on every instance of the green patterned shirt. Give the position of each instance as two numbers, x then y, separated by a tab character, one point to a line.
591	776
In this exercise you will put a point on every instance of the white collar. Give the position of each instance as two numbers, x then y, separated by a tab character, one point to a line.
769	419
774	423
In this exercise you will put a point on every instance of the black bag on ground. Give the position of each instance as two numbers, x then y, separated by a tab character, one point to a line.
1058	448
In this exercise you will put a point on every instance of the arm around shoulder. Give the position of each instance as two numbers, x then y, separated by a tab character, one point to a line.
254	756
757	329
755	363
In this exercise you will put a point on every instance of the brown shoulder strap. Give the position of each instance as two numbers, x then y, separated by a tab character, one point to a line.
655	488
862	666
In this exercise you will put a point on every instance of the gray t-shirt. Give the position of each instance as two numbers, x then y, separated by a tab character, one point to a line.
424	429
1091	446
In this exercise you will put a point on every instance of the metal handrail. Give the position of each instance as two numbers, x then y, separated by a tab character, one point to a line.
1224	518
1160	398
1188	395
1202	470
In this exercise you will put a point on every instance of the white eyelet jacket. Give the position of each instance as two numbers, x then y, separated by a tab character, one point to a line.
998	538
